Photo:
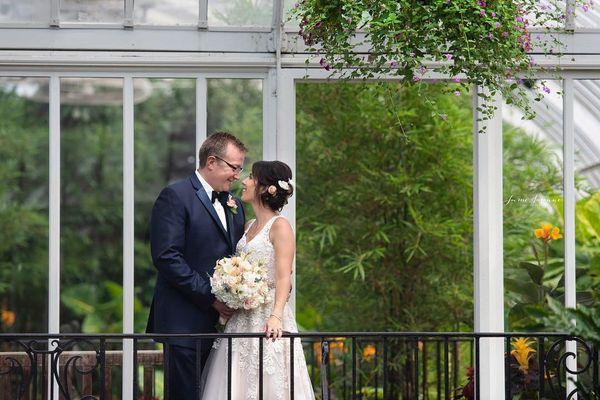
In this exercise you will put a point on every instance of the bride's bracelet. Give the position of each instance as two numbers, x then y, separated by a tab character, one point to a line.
273	315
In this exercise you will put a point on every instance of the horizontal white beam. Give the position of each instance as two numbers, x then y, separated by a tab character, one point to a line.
578	66
137	39
226	39
105	60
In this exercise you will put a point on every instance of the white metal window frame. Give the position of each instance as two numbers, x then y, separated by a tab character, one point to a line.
54	262
279	134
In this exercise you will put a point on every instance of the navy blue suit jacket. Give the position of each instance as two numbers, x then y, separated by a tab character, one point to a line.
186	239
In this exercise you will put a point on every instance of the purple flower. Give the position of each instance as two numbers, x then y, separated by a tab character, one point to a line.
498	24
493	14
457	79
482	12
448	56
411	54
519	19
393	64
546	89
416	78
481	3
504	34
457	93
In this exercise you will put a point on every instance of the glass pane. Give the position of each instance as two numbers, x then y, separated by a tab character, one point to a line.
587	183
103	11
587	16
15	11
287	7
377	226
169	12
554	7
235	105
23	205
532	173
165	143
91	205
240	12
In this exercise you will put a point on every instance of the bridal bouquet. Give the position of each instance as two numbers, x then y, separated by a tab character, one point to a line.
240	283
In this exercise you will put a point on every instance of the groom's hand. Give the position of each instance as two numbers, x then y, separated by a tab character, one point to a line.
224	311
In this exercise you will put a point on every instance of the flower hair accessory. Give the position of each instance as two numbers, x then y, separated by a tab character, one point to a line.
272	190
285	185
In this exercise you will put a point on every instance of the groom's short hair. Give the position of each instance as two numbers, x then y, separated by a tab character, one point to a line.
215	145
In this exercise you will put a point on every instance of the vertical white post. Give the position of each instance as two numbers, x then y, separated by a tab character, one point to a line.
286	146
488	251
270	115
54	216
569	217
203	14
128	235
128	12
55	13
201	113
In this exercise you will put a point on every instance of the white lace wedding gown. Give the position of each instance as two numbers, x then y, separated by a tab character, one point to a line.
276	355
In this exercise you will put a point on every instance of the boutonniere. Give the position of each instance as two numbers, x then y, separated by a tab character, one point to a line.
232	204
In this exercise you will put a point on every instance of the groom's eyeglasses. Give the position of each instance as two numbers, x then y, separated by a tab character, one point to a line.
236	169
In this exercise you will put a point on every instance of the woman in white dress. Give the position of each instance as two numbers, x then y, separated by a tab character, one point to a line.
269	238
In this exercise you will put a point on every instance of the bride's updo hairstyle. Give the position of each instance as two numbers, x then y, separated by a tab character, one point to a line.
273	183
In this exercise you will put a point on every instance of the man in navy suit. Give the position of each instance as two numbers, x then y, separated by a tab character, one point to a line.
194	223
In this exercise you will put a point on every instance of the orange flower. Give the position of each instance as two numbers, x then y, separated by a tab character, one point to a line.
336	345
8	317
555	235
547	232
369	352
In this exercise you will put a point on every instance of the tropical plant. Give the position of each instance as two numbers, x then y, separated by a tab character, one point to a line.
582	322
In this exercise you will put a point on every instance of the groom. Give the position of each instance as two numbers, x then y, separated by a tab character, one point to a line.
194	223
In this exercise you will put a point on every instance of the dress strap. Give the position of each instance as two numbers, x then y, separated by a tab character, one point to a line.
250	223
269	224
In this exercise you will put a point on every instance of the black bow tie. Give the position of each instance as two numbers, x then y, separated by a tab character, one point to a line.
221	196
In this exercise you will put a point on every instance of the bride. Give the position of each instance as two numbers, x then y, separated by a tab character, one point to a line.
269	238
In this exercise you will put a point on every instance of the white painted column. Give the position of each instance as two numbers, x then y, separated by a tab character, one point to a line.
488	251
54	216
128	235
286	146
270	108
569	217
201	113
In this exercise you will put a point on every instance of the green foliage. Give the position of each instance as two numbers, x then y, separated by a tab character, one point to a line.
384	208
101	307
583	321
484	41
91	194
23	209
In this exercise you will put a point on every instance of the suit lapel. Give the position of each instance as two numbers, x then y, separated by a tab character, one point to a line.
201	194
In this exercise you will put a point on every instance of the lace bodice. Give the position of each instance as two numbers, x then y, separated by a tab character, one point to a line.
260	248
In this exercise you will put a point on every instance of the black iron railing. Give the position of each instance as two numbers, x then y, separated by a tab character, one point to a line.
342	365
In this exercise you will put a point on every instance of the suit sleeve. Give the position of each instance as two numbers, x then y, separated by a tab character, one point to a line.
167	241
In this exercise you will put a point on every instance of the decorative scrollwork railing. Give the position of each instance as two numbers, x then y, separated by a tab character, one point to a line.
342	365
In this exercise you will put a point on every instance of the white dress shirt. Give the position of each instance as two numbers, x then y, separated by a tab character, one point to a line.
217	204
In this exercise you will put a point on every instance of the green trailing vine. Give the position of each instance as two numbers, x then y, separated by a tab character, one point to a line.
470	42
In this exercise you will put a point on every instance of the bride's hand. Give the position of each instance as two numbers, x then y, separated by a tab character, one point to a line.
274	327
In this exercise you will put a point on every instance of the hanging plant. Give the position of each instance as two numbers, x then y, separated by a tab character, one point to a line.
485	42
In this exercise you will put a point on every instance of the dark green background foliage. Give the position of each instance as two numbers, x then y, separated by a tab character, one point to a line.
384	206
384	209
